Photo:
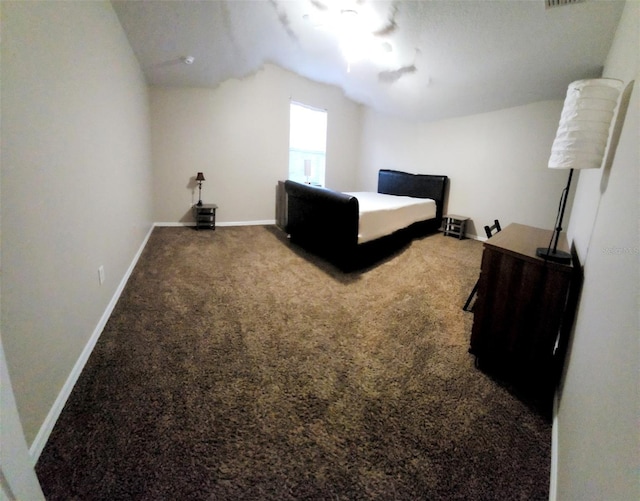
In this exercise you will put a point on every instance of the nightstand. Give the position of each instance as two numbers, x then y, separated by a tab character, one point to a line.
205	216
455	226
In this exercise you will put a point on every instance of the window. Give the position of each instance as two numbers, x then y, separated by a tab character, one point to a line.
307	144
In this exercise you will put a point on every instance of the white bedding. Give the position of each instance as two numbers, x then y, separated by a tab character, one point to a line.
382	214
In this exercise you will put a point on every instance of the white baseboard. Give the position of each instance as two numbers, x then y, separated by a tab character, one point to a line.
248	223
553	480
478	237
228	223
54	413
470	236
173	224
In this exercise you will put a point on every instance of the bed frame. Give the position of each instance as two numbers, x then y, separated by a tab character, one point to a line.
325	222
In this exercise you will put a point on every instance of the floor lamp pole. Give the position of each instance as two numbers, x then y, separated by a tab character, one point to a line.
564	204
552	253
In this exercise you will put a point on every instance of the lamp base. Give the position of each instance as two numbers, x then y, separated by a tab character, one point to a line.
199	204
556	256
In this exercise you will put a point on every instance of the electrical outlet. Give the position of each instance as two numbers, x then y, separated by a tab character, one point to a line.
101	274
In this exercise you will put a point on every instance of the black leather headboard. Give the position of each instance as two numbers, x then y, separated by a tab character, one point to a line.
394	182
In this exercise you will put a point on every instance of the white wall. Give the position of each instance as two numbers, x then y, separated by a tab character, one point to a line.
598	441
496	162
238	135
76	186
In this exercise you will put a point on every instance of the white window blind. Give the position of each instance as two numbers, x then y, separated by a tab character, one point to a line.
307	144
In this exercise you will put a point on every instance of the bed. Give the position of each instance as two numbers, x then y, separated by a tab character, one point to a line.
351	228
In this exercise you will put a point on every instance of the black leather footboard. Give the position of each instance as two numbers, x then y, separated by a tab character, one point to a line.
322	220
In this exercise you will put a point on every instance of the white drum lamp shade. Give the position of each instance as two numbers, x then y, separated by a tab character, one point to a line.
583	131
581	140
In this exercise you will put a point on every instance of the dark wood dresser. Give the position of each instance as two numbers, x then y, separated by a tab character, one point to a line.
524	310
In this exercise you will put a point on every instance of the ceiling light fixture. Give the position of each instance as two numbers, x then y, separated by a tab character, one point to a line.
353	28
350	14
188	59
355	40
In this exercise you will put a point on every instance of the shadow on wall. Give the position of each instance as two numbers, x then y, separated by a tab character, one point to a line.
188	217
192	185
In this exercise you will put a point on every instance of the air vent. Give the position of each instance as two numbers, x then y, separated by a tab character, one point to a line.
559	3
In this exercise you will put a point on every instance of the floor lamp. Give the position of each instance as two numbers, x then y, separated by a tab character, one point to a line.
581	141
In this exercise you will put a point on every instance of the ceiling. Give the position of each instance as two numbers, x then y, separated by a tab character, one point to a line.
424	60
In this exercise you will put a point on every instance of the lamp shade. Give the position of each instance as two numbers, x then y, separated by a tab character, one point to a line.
583	131
200	177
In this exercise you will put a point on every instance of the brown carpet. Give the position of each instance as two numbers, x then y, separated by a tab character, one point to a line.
236	366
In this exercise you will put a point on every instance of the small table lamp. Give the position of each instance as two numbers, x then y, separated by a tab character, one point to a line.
581	141
200	178
307	169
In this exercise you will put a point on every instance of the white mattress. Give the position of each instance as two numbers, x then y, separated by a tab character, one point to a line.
382	214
